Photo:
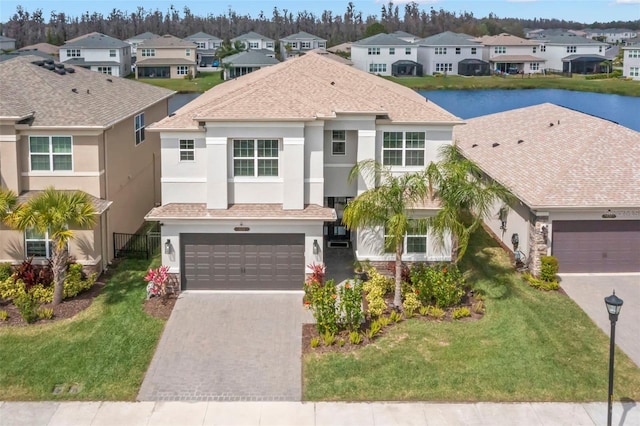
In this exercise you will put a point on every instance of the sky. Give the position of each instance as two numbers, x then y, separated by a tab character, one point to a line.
585	11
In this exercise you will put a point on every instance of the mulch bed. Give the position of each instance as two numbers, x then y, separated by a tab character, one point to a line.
160	307
309	331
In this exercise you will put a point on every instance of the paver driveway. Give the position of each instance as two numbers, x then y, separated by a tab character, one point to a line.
589	291
229	347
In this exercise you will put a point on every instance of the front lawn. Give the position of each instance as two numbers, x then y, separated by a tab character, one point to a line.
101	354
203	82
530	346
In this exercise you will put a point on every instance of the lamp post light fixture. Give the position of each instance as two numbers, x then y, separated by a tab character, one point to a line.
614	304
316	247
167	247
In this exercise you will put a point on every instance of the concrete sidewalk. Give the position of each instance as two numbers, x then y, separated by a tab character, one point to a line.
316	414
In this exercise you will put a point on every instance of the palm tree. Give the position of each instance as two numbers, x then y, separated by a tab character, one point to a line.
387	205
466	198
55	212
8	200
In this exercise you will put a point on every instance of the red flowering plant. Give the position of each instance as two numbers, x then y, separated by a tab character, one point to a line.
320	297
157	281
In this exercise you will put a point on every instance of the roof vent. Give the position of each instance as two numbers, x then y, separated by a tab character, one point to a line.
87	91
495	144
38	63
60	71
172	114
109	80
558	122
70	70
333	83
48	61
59	65
550	124
520	141
49	66
74	90
474	145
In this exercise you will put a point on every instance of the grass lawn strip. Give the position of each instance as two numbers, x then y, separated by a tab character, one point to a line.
202	83
530	346
100	354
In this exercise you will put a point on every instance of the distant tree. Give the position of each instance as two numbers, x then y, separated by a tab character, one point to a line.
373	29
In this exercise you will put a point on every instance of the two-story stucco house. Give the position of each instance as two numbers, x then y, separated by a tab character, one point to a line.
300	43
451	53
255	41
166	57
136	40
254	178
577	192
76	129
631	62
386	54
510	54
207	45
571	53
98	52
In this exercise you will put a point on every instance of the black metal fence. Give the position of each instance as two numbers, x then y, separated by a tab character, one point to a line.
135	245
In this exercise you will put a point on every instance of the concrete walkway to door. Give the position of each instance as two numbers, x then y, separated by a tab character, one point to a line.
589	291
220	346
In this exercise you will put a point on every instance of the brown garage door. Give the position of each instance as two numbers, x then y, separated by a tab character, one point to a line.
597	246
242	261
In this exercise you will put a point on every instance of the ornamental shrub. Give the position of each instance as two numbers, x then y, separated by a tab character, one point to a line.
27	306
350	306
6	271
411	303
441	285
375	289
548	268
462	312
321	298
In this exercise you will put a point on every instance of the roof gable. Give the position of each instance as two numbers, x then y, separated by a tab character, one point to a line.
95	41
251	36
301	36
449	38
382	39
202	36
167	41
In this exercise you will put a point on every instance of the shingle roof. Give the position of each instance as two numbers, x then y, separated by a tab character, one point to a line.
301	36
402	34
517	58
167	41
3	38
250	58
316	87
13	54
42	47
505	39
449	38
565	158
240	211
98	100
202	35
251	36
567	38
382	40
327	54
586	57
95	41
144	36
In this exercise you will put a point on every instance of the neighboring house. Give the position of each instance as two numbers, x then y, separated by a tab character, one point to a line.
98	52
510	54
206	47
255	171
577	191
403	35
245	62
571	53
333	56
342	47
47	48
300	43
452	53
166	57
386	54
255	41
13	54
612	35
631	62
7	43
75	129
135	41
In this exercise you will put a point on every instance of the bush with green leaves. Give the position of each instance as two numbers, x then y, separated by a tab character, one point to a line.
461	312
322	301
4	315
411	303
350	305
6	271
27	306
540	284
437	313
376	288
355	338
441	285
548	268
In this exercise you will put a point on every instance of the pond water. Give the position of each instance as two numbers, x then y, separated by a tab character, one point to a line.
624	110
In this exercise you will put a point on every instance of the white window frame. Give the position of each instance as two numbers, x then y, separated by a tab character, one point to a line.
412	233
50	154
634	71
405	149
187	52
112	53
572	49
534	66
293	45
543	48
147	53
500	50
201	44
322	44
182	69
444	67
48	244
634	53
373	51
305	45
187	150
138	127
339	142
254	45
407	51
269	45
74	53
440	51
474	50
534	49
458	50
377	68
392	51
105	70
256	158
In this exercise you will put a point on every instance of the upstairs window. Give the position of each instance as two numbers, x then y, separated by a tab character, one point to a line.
148	52
458	50
187	52
534	49
73	53
634	53
201	44
440	50
571	49
474	50
139	128
112	53
403	148
543	48
373	51
187	150
500	50
255	157
392	51
407	51
338	142
50	153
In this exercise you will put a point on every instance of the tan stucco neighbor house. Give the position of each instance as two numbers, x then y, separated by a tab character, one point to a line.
576	178
255	178
166	57
76	129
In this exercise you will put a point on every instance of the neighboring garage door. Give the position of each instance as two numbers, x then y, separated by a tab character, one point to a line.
597	246
242	261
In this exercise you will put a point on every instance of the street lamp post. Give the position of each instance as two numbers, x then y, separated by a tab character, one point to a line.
614	303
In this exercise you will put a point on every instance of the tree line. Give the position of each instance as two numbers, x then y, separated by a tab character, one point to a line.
33	27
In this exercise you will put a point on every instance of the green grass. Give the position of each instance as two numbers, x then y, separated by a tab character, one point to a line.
530	346
202	83
105	349
577	83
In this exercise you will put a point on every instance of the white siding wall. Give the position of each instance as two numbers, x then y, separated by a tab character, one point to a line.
428	58
555	52
362	60
630	62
